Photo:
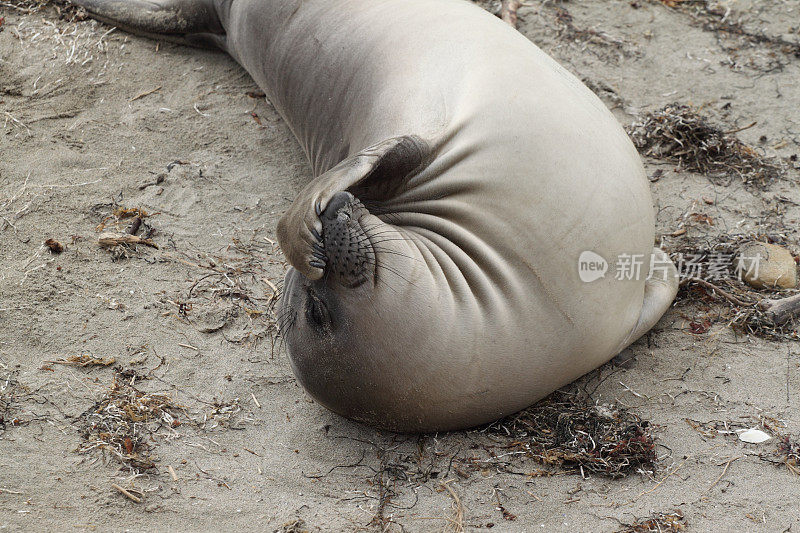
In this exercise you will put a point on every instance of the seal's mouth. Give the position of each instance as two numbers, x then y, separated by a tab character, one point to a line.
344	250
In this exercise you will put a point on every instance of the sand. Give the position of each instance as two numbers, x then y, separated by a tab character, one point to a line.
94	119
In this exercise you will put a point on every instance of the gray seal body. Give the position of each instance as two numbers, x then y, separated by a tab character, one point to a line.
460	173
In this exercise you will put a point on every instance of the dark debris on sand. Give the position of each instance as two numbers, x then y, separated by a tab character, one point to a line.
124	420
569	431
733	35
789	452
8	387
679	134
671	522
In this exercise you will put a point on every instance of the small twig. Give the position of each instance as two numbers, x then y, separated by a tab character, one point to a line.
508	11
739	129
728	296
780	311
126	493
538	499
146	93
172	473
724	470
255	401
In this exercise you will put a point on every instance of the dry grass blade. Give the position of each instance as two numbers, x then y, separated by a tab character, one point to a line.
85	360
111	239
145	93
678	133
455	524
566	431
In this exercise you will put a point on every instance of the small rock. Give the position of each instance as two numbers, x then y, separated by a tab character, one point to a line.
767	266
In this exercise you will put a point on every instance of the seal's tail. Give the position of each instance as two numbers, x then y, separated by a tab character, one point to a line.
192	22
659	292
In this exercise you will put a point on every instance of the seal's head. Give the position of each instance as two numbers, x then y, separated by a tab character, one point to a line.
365	301
345	313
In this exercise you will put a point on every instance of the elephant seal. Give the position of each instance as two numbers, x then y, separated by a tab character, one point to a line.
460	174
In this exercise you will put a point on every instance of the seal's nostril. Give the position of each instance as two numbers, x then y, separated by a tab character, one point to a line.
337	202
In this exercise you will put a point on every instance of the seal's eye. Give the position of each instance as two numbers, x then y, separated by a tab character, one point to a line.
316	311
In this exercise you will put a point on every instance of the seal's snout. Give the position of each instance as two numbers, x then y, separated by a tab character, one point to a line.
349	256
339	201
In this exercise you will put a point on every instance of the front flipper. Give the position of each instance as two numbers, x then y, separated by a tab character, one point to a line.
380	166
192	22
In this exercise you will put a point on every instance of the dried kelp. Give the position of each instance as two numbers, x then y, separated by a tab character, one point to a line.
679	134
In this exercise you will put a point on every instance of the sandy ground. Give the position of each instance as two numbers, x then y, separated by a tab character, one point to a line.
215	168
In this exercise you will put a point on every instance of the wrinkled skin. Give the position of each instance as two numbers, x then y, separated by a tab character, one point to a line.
459	174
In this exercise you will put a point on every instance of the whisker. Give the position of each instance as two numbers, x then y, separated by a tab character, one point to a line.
389	269
395	252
